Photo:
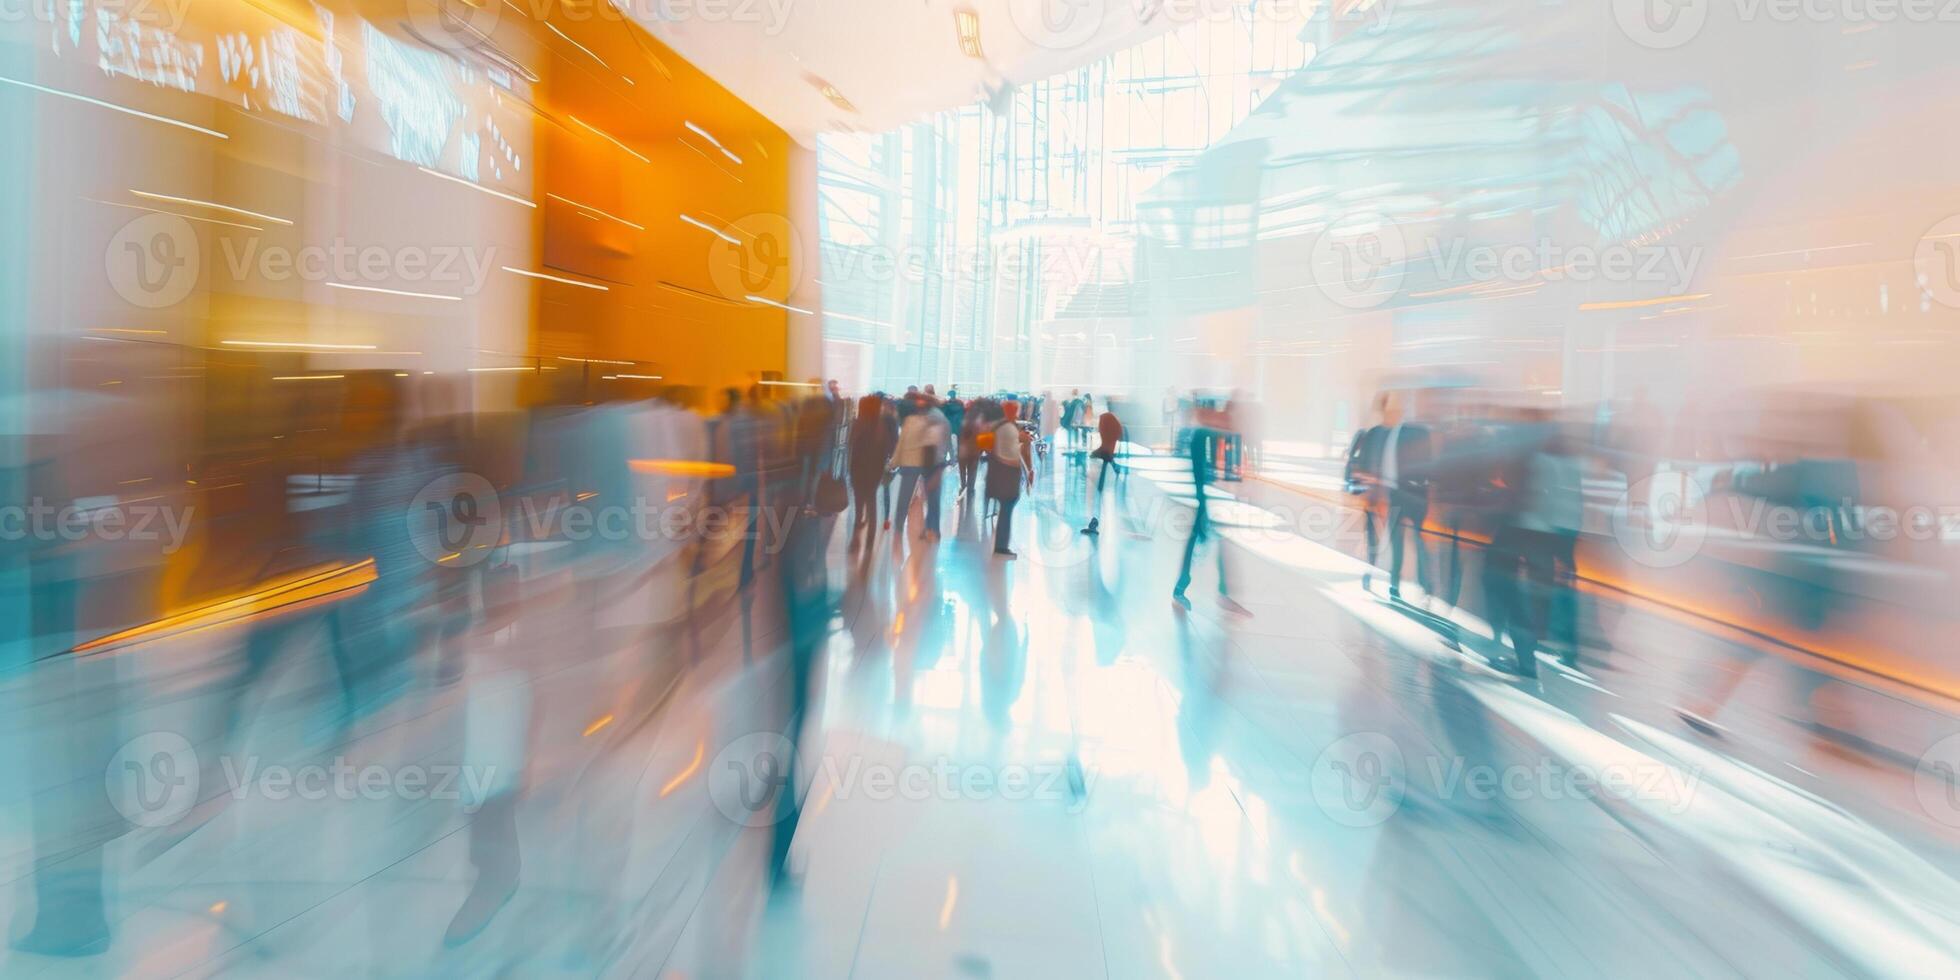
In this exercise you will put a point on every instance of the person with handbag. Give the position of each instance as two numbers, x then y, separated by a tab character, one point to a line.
1007	470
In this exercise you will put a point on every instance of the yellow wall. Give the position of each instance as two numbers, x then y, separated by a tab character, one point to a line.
354	131
677	291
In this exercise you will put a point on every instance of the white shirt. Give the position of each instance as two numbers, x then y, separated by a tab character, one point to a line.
1007	443
922	439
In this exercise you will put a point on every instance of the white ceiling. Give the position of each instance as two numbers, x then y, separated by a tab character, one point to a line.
893	60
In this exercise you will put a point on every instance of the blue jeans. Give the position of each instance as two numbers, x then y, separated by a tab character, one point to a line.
908	478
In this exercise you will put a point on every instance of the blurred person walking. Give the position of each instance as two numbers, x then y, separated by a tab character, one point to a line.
1200	449
1363	478
1007	471
1109	431
871	449
888	419
1048	415
1404	473
923	441
1554	513
974	419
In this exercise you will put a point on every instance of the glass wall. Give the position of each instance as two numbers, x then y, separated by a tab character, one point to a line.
993	246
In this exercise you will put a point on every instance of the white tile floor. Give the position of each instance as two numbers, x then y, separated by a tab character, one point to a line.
1214	833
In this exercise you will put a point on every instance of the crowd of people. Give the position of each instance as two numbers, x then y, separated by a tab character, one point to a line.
912	439
1771	499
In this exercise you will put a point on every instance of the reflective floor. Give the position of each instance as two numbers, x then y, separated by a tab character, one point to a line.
1031	768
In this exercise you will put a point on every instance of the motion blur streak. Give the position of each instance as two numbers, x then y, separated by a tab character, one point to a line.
979	488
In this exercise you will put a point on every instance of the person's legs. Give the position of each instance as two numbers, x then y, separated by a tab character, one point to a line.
1417	512
493	850
933	482
1453	578
1004	527
1395	515
1096	498
1533	610
867	507
1373	505
908	481
748	541
1500	582
1199	525
1564	582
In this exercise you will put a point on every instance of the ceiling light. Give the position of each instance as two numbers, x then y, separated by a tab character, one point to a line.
552	278
711	229
967	21
471	183
111	105
837	98
213	205
587	207
394	292
766	301
830	92
294	344
608	137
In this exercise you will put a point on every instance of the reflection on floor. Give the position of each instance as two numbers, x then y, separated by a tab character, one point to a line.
1031	768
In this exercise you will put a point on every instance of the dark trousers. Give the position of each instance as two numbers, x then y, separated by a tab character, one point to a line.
1200	530
864	492
1374	506
1411	509
1004	527
1528	586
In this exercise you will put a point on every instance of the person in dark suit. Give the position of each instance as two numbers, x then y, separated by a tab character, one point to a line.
1391	463
1363	476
